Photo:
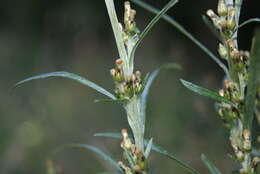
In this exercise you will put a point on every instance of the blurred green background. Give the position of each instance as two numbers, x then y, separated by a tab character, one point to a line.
39	36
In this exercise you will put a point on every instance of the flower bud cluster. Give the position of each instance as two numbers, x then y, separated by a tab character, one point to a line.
134	156
126	88
241	144
225	19
129	21
228	113
226	23
234	88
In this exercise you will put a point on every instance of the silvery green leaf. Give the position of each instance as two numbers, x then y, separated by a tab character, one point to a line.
205	92
111	100
118	33
135	121
148	148
72	76
212	168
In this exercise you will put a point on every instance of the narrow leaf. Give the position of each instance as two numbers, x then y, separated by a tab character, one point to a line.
170	4
111	100
212	168
156	148
102	154
211	26
253	80
182	30
249	21
148	148
116	29
205	92
149	82
109	134
71	76
107	173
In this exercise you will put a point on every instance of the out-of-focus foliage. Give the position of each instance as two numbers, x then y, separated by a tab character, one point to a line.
39	36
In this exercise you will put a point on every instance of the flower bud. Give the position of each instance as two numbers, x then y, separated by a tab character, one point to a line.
119	63
231	21
246	134
222	8
222	51
211	14
214	18
113	72
138	74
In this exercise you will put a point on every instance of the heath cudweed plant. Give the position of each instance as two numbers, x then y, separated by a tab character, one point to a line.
237	103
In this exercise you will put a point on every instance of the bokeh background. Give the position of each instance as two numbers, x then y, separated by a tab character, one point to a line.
40	36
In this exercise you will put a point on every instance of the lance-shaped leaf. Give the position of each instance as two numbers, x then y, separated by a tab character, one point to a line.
117	33
156	148
71	76
212	168
205	92
111	101
182	30
102	154
170	4
211	26
149	82
253	80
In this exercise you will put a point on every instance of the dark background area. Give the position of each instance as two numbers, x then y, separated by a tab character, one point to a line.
40	36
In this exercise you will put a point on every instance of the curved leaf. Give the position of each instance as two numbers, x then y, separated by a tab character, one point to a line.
102	154
72	76
158	16
249	21
253	80
205	92
149	82
182	30
156	148
212	168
